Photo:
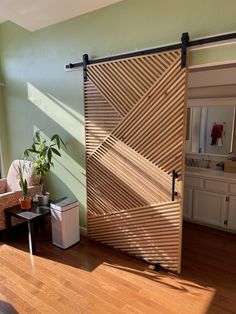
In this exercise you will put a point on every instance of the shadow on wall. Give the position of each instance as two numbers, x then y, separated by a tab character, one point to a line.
68	177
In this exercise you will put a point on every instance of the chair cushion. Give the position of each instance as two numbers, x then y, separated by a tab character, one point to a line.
13	176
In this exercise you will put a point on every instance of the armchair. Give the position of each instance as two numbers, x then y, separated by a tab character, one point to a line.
10	190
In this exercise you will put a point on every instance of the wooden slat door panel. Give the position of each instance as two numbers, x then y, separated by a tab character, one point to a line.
135	117
150	232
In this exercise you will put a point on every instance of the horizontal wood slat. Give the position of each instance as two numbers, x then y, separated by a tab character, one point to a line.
100	117
135	111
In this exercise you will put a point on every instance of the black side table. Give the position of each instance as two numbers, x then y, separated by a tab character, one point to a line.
32	215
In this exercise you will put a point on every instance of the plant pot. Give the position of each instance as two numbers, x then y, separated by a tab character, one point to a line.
25	204
43	199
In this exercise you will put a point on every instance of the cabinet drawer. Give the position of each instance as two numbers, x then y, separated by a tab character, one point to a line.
194	182
232	188
216	186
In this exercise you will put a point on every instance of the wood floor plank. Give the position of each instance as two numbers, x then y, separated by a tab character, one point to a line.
66	296
10	291
117	290
30	285
91	278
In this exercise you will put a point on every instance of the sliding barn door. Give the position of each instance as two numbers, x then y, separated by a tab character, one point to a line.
135	116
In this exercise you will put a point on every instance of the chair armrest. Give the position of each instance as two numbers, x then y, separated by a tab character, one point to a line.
10	199
3	185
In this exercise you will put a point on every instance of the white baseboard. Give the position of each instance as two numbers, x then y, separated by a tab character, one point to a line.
83	231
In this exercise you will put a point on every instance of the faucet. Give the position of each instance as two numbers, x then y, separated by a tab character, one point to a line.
193	163
208	160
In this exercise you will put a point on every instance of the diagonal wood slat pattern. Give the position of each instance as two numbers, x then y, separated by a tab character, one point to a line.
155	187
163	118
124	82
135	115
130	232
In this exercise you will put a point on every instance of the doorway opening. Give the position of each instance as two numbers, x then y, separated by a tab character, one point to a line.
210	157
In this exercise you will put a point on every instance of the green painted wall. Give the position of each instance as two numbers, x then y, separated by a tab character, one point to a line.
40	94
3	129
3	148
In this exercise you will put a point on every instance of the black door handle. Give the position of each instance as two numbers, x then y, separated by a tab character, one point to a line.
175	175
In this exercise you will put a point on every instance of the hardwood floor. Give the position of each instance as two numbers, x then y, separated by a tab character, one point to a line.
90	278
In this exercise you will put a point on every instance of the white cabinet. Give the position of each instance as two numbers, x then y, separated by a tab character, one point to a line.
210	207
210	201
231	221
188	203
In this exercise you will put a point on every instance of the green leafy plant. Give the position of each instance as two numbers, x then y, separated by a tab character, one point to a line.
41	154
22	182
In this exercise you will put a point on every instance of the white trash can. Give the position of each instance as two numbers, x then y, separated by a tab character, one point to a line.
65	222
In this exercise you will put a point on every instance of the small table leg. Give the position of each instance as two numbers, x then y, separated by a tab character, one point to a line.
31	234
9	234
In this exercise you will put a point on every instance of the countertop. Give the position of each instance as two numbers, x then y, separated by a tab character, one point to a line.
210	173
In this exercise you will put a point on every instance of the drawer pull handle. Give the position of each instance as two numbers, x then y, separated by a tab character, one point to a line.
174	176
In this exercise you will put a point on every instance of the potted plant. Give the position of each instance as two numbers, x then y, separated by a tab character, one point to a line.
41	154
25	202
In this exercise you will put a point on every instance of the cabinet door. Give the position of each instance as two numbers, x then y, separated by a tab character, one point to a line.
188	203
232	213
209	207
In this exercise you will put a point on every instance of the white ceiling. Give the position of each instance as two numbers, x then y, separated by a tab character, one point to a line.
36	14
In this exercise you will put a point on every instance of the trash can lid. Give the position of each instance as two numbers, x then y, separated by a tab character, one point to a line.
64	202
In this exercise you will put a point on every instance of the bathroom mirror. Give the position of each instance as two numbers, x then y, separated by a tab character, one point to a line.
210	130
